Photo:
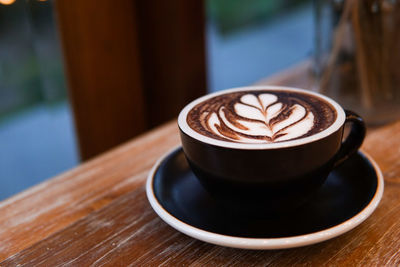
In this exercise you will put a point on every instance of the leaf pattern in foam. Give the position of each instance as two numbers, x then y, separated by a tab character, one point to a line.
254	128
297	129
258	120
273	111
257	108
249	112
267	99
297	112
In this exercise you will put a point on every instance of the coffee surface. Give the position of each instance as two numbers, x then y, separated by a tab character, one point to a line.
261	116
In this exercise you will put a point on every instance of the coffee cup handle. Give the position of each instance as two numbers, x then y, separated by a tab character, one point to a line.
355	138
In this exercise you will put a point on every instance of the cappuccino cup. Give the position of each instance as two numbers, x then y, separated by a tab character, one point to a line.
266	147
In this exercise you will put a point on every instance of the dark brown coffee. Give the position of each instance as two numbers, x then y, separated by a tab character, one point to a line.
261	116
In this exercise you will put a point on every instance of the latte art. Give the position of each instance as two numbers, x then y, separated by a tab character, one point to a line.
260	117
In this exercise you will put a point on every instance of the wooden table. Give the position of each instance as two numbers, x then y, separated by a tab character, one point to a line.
98	214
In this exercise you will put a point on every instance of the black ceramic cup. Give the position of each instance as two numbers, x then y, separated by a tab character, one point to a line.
270	177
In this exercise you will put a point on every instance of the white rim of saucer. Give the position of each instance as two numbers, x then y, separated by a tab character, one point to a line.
182	123
264	243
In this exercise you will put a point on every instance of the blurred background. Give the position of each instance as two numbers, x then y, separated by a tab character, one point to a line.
45	47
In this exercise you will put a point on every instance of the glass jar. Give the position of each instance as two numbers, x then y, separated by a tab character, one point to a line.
357	56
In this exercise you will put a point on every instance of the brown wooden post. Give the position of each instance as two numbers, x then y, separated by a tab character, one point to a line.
100	47
172	39
130	65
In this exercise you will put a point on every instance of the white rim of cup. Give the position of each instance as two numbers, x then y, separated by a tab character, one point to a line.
182	123
264	243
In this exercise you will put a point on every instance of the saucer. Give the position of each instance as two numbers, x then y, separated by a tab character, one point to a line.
349	196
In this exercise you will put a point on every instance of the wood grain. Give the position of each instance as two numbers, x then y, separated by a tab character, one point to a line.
48	207
98	214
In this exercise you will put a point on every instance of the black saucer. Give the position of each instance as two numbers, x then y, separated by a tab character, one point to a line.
347	193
